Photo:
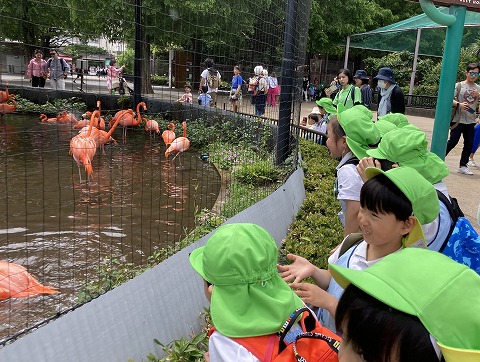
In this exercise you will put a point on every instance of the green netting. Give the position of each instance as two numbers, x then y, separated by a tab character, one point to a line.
401	36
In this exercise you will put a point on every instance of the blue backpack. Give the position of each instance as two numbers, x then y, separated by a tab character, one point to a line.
462	243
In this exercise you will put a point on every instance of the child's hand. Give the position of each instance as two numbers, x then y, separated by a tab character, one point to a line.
206	356
364	163
300	269
316	296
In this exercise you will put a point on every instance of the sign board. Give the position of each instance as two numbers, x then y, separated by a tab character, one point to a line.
473	5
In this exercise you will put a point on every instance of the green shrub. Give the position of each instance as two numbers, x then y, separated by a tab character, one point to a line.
160	80
258	173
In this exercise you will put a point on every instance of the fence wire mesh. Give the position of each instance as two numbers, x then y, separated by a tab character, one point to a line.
82	236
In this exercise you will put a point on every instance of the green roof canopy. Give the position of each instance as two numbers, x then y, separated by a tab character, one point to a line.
402	36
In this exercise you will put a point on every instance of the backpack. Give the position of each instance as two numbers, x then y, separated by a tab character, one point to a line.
462	243
62	61
253	85
313	344
213	78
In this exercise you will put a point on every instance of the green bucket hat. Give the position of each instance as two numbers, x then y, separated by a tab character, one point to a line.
327	104
442	293
249	297
419	192
359	129
398	119
384	127
408	147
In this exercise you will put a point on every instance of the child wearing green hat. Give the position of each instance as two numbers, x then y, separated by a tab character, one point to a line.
414	305
247	296
350	134
394	204
407	146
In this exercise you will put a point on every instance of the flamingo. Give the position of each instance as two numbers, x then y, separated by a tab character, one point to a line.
127	118
151	126
83	148
65	117
16	282
179	144
4	95
101	121
43	118
7	108
169	134
100	136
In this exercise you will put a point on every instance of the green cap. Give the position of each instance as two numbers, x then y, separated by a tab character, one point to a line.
327	104
442	293
384	127
398	119
407	146
360	130
249	297
419	191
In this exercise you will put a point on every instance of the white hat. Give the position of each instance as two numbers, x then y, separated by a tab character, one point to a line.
315	110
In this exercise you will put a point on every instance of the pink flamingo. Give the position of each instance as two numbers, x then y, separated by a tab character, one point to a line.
151	126
65	117
43	118
4	95
7	108
169	134
100	136
17	282
179	144
83	148
127	118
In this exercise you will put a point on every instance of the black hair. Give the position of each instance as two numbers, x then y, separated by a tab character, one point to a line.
348	73
365	81
381	195
313	116
237	67
472	66
380	333
37	51
113	62
208	62
204	88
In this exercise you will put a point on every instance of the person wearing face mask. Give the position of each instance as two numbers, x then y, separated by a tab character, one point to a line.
390	98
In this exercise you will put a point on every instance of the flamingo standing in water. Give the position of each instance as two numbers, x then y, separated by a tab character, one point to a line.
169	134
100	136
4	95
151	126
179	144
65	117
83	148
7	108
127	118
16	282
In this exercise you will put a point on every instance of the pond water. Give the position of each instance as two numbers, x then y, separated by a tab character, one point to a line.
61	229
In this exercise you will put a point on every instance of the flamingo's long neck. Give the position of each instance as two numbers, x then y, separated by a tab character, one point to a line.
184	126
110	131
92	119
139	118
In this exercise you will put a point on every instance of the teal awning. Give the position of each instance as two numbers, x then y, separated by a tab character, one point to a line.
402	36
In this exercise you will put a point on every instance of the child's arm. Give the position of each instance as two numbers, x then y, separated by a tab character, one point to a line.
312	294
351	217
301	268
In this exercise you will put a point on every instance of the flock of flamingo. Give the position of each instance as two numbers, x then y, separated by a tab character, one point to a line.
15	281
5	100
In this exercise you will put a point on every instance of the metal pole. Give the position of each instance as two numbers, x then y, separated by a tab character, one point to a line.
137	84
448	74
288	74
414	66
347	51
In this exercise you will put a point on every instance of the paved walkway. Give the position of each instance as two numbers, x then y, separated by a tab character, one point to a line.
463	187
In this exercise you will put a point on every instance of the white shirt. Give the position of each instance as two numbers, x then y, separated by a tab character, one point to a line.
204	75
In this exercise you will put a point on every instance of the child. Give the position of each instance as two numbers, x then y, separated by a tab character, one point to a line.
394	204
414	305
348	139
187	96
407	146
247	296
205	99
327	108
236	90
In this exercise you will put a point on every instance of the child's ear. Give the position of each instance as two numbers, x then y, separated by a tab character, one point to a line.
408	224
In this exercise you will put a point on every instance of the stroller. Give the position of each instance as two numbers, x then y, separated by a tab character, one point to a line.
124	85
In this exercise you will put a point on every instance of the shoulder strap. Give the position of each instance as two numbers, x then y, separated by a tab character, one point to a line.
64	64
457	89
351	240
262	347
49	61
454	211
351	161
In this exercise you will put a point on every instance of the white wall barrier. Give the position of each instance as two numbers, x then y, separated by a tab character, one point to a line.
165	302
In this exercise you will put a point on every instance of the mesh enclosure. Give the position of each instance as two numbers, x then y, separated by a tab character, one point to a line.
83	235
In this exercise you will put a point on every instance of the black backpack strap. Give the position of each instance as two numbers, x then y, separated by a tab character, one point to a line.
454	211
351	161
351	240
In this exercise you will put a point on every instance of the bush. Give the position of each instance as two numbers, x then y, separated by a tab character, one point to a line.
160	80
